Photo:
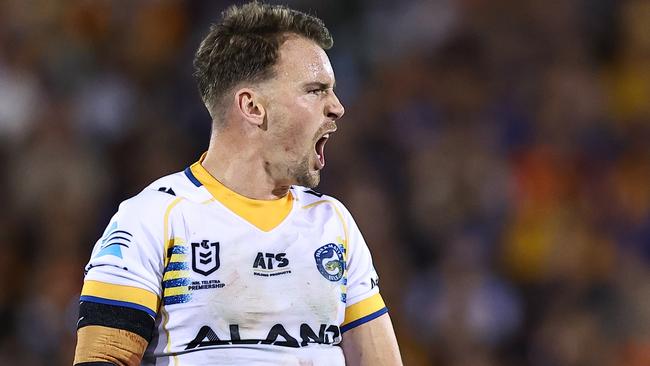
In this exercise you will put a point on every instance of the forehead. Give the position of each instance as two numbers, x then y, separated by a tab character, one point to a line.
302	60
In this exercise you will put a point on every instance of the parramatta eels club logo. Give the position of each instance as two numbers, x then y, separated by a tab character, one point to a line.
205	257
330	262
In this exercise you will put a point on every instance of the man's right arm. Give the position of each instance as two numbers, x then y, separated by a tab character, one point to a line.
122	286
111	335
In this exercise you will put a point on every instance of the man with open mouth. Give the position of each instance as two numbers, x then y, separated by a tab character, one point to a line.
237	260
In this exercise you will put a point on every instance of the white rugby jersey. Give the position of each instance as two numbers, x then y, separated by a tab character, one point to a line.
235	281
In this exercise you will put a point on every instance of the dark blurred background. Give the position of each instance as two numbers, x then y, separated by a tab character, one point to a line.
495	153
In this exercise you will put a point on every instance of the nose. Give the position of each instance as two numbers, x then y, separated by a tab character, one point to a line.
335	109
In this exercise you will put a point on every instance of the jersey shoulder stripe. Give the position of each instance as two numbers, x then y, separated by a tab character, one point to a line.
363	320
120	295
363	311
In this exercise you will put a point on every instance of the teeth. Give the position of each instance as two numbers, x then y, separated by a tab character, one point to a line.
327	135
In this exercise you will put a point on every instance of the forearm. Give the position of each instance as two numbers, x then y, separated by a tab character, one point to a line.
103	344
372	344
111	335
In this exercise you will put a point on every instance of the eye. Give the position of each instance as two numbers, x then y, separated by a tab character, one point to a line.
319	91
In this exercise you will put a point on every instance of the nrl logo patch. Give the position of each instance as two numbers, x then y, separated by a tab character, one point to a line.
330	262
205	257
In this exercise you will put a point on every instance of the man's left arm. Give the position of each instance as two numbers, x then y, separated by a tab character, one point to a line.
368	337
372	344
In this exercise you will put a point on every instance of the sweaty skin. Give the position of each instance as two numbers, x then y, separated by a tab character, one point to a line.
273	137
270	143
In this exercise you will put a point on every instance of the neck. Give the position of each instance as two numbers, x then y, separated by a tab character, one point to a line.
243	171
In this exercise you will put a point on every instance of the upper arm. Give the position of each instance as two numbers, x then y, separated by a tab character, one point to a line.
372	344
122	287
112	331
368	336
362	298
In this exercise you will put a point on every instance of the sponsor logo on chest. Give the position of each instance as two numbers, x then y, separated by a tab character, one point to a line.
271	264
276	336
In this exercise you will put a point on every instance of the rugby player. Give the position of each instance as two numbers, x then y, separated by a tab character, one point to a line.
236	260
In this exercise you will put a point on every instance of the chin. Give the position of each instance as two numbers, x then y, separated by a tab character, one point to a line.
309	179
312	182
305	173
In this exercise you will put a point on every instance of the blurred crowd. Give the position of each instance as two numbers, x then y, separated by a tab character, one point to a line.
495	154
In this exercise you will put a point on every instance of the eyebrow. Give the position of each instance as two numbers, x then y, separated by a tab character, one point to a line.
320	85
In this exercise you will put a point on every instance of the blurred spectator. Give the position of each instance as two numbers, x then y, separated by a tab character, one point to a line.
494	153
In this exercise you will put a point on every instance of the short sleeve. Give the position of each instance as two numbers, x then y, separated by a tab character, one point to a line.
126	264
363	300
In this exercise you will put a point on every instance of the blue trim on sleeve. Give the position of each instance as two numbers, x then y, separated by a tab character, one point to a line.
179	249
191	177
117	303
365	319
177	266
177	299
176	282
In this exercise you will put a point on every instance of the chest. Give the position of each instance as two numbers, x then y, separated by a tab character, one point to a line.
237	274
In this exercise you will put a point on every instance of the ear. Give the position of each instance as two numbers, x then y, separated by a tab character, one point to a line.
249	105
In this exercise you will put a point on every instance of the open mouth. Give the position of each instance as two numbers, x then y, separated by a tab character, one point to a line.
320	150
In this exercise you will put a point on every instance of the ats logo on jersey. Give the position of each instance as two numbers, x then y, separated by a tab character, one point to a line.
205	257
330	262
271	264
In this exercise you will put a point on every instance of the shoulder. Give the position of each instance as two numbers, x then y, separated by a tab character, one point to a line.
311	199
155	200
308	196
180	184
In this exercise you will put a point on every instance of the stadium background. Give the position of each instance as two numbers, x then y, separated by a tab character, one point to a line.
496	155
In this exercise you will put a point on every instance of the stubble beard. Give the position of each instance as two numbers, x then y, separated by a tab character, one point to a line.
303	175
302	172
